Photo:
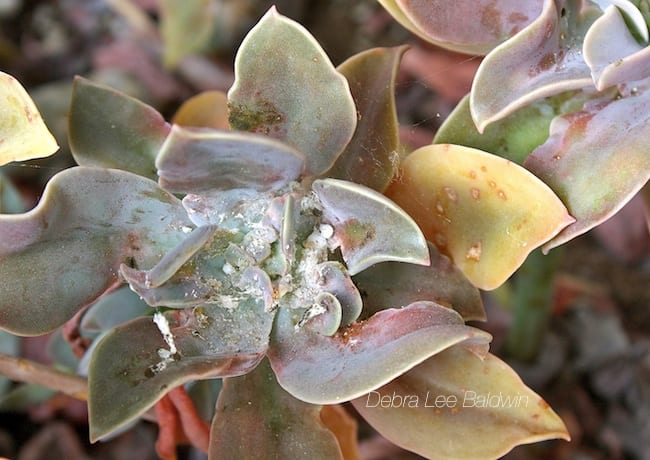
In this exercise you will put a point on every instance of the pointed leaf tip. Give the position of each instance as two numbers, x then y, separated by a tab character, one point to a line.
368	226
456	396
485	212
22	130
287	88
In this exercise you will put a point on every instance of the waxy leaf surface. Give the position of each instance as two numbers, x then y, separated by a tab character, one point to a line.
111	310
371	156
514	136
109	129
394	284
186	28
209	342
365	355
23	134
287	88
597	159
67	251
485	212
10	200
466	26
198	160
483	409
208	109
619	60
542	60
255	415
369	227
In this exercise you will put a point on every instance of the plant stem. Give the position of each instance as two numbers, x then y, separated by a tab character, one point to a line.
533	302
27	371
24	370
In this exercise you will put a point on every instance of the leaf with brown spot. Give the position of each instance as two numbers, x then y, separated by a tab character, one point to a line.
485	212
466	26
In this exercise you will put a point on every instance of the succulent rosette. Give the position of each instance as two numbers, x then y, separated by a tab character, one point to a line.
261	251
566	95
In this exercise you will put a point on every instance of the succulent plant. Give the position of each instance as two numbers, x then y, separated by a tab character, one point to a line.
268	257
565	95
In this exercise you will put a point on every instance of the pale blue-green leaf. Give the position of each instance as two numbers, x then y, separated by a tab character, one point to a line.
67	251
369	227
460	406
256	418
10	200
596	159
206	342
395	284
514	136
113	309
204	394
370	158
466	26
173	260
107	128
365	355
334	278
633	17
612	53
287	88
220	273
194	160
323	316
542	60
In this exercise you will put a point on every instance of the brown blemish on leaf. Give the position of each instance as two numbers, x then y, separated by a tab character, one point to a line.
351	332
258	119
476	193
356	233
472	174
501	194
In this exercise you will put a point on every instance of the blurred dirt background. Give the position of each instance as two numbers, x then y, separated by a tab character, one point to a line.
594	368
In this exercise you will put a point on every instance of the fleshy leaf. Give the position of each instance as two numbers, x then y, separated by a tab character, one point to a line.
199	343
287	88
596	159
10	199
66	252
109	129
458	406
392	284
22	131
186	28
514	136
111	310
371	156
255	416
466	26
485	212
198	160
615	60
369	227
542	60
208	109
367	354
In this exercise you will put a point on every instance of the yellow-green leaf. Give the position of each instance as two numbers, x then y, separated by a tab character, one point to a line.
23	134
485	212
457	405
208	109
